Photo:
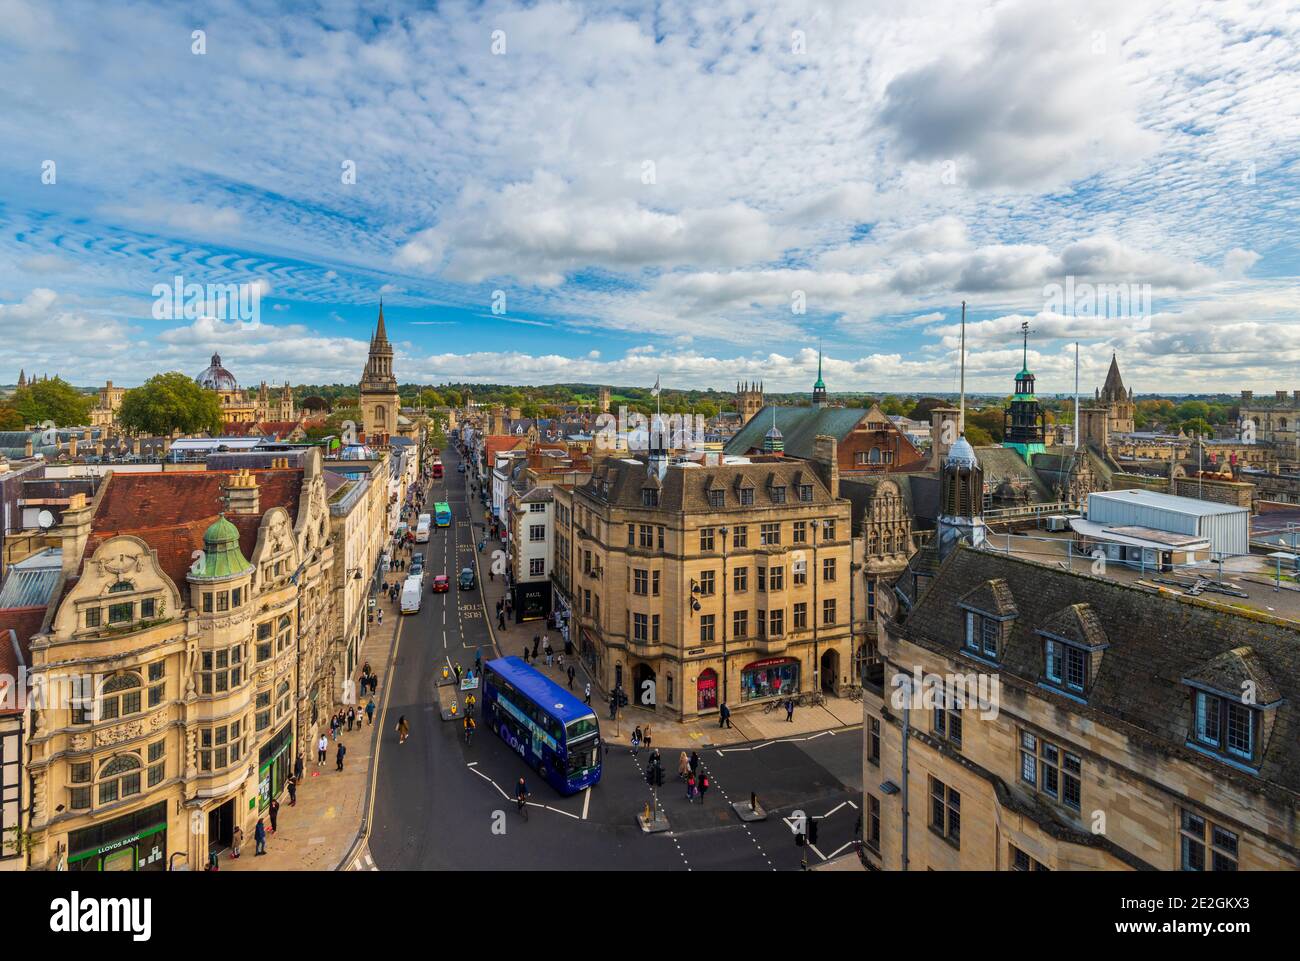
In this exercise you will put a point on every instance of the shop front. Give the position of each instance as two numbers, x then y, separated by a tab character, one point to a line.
532	600
706	690
771	677
274	766
133	842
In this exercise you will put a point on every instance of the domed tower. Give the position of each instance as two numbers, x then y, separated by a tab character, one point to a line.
380	402
961	498
1025	422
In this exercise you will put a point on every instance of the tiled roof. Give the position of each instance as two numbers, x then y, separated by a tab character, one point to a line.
1156	641
799	426
991	597
25	623
620	482
1231	671
170	512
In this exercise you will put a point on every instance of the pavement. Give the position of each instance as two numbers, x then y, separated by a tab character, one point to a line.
321	831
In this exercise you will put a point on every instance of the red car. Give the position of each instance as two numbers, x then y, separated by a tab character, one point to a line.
441	584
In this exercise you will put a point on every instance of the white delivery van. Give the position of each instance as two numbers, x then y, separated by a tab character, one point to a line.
422	529
412	595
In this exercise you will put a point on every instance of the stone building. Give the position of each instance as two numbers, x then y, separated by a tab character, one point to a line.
1102	726
196	606
1275	421
749	400
1116	401
380	402
691	585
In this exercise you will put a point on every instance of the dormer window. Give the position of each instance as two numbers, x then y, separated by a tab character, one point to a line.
1066	666
805	492
983	635
989	609
649	497
717	499
778	494
746	497
1224	725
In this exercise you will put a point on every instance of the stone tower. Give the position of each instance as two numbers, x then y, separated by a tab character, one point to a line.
602	401
380	402
1118	401
749	400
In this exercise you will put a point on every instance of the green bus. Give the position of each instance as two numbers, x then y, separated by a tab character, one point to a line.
442	514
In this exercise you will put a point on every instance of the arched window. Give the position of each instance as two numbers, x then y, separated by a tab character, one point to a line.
119	777
121	587
119	696
874	456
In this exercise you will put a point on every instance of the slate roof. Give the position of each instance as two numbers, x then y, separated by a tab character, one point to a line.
1156	642
1005	463
171	511
861	490
798	425
686	488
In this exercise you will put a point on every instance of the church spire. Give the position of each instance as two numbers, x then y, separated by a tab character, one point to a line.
381	334
819	388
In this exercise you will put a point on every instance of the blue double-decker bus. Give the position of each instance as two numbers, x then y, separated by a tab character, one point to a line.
546	725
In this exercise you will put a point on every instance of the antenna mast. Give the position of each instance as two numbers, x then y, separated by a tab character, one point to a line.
961	413
1076	395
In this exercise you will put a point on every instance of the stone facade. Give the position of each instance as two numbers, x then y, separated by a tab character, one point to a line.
689	586
1090	748
204	638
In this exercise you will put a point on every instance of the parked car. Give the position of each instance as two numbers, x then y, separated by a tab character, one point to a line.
467	579
441	583
460	468
417	566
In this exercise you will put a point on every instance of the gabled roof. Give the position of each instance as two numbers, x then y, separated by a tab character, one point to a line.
1005	464
992	597
1077	623
31	582
1232	671
171	511
799	426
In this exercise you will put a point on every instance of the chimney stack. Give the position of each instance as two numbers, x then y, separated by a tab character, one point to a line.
826	457
74	531
945	428
242	493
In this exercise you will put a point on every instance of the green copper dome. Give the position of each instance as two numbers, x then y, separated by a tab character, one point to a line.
221	554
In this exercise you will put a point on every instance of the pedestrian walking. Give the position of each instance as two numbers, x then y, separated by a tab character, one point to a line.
236	840
274	811
525	654
636	741
683	766
381	616
789	709
297	768
370	711
586	695
537	640
292	785
338	758
690	787
403	730
724	715
703	786
547	651
259	836
352	717
501	619
695	761
645	737
322	746
456	668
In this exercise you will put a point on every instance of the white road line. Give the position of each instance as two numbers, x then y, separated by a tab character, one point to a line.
556	810
847	844
814	850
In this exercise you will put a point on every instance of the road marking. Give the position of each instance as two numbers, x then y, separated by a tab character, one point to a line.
847	844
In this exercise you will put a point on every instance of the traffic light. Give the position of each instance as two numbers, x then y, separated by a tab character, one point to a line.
812	830
659	775
622	698
650	774
798	839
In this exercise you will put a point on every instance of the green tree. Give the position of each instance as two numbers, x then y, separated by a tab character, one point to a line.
1197	426
430	399
54	400
991	420
168	402
923	407
1193	410
453	397
10	419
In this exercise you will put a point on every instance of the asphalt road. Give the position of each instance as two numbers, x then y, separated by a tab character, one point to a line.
440	805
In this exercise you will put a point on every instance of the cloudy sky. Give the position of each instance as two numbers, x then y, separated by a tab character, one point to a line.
552	192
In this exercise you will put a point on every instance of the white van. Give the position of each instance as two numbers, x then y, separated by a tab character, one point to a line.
412	595
422	529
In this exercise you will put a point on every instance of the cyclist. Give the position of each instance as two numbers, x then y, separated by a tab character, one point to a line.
521	794
470	701
469	727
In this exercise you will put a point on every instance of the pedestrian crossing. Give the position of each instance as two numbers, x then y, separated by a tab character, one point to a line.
364	862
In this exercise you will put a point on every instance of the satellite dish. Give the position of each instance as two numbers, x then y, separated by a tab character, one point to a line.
45	520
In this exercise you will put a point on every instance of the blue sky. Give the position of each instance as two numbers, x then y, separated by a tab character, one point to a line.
559	192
